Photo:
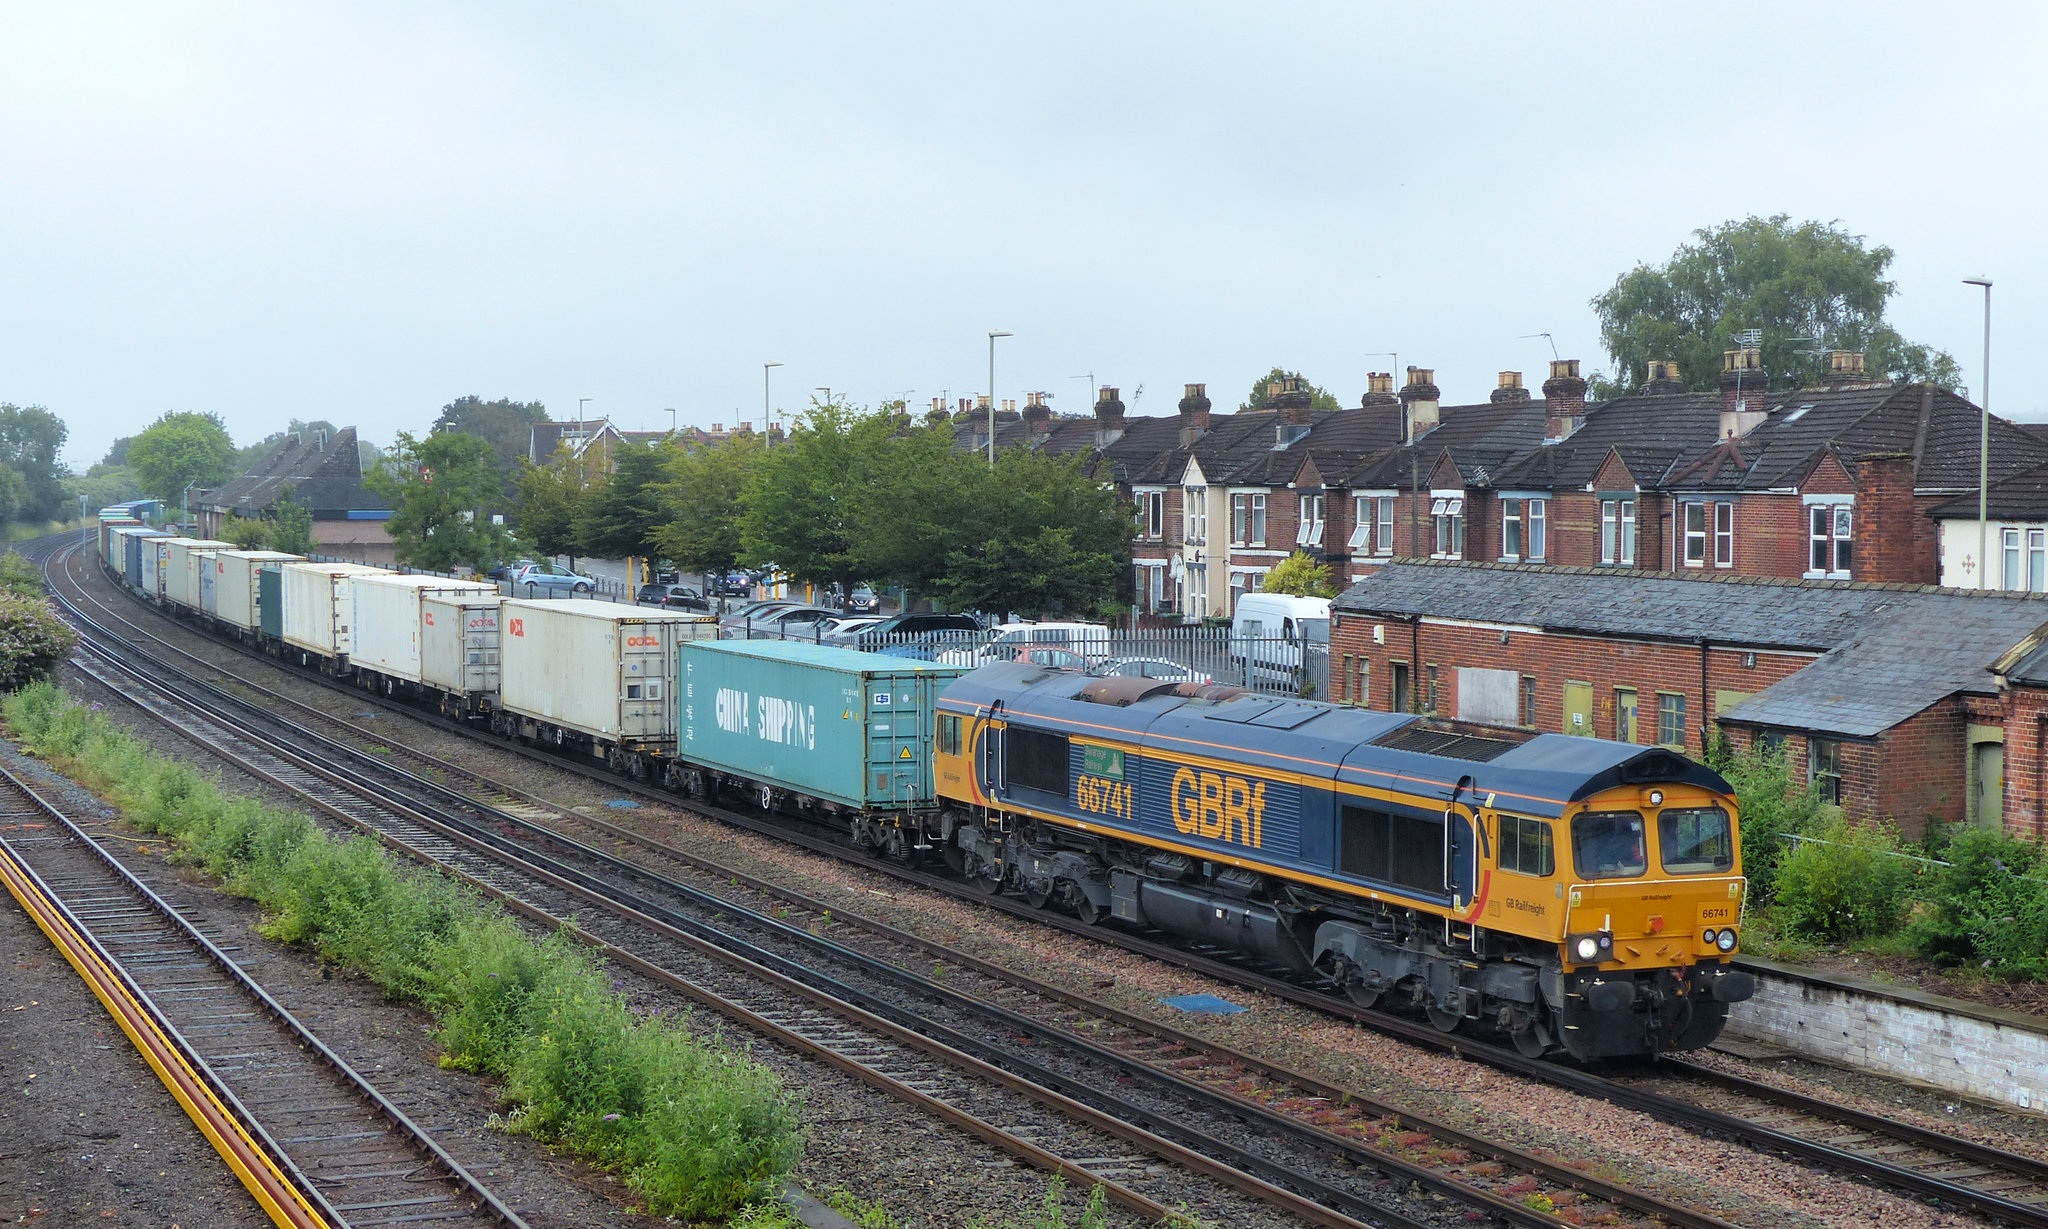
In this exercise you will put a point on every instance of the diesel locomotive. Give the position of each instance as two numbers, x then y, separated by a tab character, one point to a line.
1571	893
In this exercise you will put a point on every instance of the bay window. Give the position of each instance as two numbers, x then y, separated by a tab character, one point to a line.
1194	502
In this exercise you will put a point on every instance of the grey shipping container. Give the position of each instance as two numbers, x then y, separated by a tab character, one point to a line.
601	669
841	725
459	645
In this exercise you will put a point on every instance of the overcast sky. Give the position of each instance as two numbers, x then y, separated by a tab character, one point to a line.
360	212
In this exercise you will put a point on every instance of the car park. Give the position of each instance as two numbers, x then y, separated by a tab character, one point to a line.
672	597
1150	668
1086	639
850	623
545	579
901	627
776	623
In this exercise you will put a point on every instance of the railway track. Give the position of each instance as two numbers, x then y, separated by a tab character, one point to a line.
1951	1171
314	1142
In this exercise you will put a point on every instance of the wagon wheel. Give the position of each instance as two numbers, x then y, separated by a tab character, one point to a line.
1090	913
902	849
1361	995
1038	892
989	877
1533	1039
1441	1020
956	858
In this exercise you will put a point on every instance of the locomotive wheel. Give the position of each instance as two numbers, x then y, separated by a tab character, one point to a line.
1360	996
956	858
989	878
1090	913
1443	1021
1038	892
1533	1040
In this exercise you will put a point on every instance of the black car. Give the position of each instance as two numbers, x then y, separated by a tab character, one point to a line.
901	627
672	597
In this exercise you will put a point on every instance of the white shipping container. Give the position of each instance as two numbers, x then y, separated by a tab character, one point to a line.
316	605
459	643
601	668
179	583
119	545
153	570
388	619
235	586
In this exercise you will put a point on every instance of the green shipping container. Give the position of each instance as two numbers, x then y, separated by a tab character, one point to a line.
844	726
270	600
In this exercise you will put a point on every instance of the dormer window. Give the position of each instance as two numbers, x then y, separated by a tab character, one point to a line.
1449	517
1309	531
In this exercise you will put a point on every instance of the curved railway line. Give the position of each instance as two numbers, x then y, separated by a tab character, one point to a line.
314	1142
1289	1105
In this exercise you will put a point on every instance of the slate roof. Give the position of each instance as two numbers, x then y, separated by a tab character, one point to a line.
1888	651
2022	497
326	476
545	437
1479	439
1651	432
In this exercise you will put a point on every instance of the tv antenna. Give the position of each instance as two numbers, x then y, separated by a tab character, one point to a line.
1090	377
1135	394
1545	336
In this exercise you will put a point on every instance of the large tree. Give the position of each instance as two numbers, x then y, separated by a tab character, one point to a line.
30	439
1320	398
1037	536
1809	287
548	501
700	504
623	513
504	424
441	490
181	449
290	522
806	498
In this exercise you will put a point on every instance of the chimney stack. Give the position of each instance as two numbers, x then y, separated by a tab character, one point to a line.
1379	390
1194	413
1564	400
1419	398
1510	390
1845	370
1109	417
1742	392
1291	400
1037	415
1664	379
1886	525
936	415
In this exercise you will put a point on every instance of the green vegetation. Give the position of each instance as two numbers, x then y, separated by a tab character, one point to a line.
442	490
506	425
696	1129
1300	575
1319	398
181	449
33	640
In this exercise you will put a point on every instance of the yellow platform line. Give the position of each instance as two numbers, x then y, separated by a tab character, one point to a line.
280	1198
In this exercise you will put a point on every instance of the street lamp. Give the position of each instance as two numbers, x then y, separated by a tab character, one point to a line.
992	392
1984	444
764	399
671	421
825	389
185	504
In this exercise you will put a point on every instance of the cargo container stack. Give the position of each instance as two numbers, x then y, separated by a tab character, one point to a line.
396	618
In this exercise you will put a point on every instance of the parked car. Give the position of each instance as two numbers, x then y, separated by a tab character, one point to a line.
862	600
1055	659
776	623
848	624
506	571
536	579
899	627
1150	668
924	646
672	597
731	584
1086	639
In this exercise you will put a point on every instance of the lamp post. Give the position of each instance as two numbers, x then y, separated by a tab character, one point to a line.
1984	445
764	399
992	392
671	422
185	504
825	389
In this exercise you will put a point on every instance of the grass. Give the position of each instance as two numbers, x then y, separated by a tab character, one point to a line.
693	1128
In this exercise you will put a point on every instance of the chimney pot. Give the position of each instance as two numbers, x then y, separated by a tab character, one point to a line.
1109	417
1664	379
1510	390
1379	389
1194	413
1419	399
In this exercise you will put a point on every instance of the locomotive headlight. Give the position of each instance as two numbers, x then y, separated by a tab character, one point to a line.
1588	948
1727	940
1711	937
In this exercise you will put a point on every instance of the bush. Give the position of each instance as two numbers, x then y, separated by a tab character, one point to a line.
32	640
1848	882
20	577
696	1129
1989	906
1769	805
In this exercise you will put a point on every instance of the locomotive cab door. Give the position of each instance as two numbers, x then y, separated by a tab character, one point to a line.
1461	858
992	753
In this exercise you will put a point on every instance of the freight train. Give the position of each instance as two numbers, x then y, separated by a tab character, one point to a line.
1572	894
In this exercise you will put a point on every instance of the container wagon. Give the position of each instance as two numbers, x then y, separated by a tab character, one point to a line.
828	730
235	589
316	613
108	550
125	551
594	676
386	648
178	583
459	650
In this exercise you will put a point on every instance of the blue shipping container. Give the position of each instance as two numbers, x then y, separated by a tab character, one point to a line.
848	727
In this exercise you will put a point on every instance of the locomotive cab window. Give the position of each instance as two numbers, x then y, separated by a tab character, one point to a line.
1608	845
949	734
1526	846
1404	850
1695	841
1034	759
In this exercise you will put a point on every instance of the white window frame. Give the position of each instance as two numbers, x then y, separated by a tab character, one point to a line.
1309	530
1361	524
1447	514
1194	515
1724	534
1513	530
1383	527
2037	560
1537	531
1830	535
1257	510
1618	531
1152	515
2012	557
1693	538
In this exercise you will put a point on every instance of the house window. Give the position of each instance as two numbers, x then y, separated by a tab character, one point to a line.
1618	532
1309	529
1671	718
1152	513
1361	524
1344	681
1403	700
1511	540
1695	515
1824	769
2010	540
1248	519
1363	691
1449	515
1197	600
1724	535
1625	714
1526	846
1194	515
1828	533
1539	530
2037	560
1383	527
1529	701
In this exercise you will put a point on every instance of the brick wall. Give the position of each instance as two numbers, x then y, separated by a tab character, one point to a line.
2026	761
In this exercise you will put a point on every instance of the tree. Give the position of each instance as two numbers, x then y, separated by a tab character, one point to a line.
698	525
549	499
117	454
623	512
1301	576
1037	536
30	439
1320	399
504	424
33	641
246	532
290	523
1809	287
805	497
181	449
105	484
441	490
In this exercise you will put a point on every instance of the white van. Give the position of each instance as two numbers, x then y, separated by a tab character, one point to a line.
1269	629
1008	640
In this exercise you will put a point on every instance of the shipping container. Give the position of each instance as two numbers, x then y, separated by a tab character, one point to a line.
133	555
235	600
459	646
389	619
127	552
109	544
315	597
848	727
150	579
208	591
179	582
270	602
600	669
